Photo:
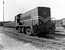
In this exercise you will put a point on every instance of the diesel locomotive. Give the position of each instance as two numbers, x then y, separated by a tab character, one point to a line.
35	22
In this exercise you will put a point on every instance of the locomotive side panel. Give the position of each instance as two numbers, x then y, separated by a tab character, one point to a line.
30	18
34	15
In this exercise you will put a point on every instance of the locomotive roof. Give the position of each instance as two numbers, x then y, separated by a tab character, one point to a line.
36	8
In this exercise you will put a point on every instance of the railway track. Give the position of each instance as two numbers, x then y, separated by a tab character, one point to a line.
52	43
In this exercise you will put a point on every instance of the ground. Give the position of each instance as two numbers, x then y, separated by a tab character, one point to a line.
9	43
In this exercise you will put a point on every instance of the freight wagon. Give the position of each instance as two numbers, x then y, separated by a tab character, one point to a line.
10	24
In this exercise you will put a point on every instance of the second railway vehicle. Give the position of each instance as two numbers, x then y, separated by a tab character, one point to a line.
10	24
35	22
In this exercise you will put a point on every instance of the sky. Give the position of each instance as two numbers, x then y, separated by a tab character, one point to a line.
14	7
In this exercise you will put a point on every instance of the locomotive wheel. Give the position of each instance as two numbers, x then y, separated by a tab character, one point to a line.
19	29
22	30
28	31
16	28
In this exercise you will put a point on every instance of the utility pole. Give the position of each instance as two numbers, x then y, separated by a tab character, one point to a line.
3	14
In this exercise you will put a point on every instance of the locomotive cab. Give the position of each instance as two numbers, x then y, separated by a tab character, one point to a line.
17	21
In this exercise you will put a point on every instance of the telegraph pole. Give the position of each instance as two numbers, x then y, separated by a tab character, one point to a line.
3	14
